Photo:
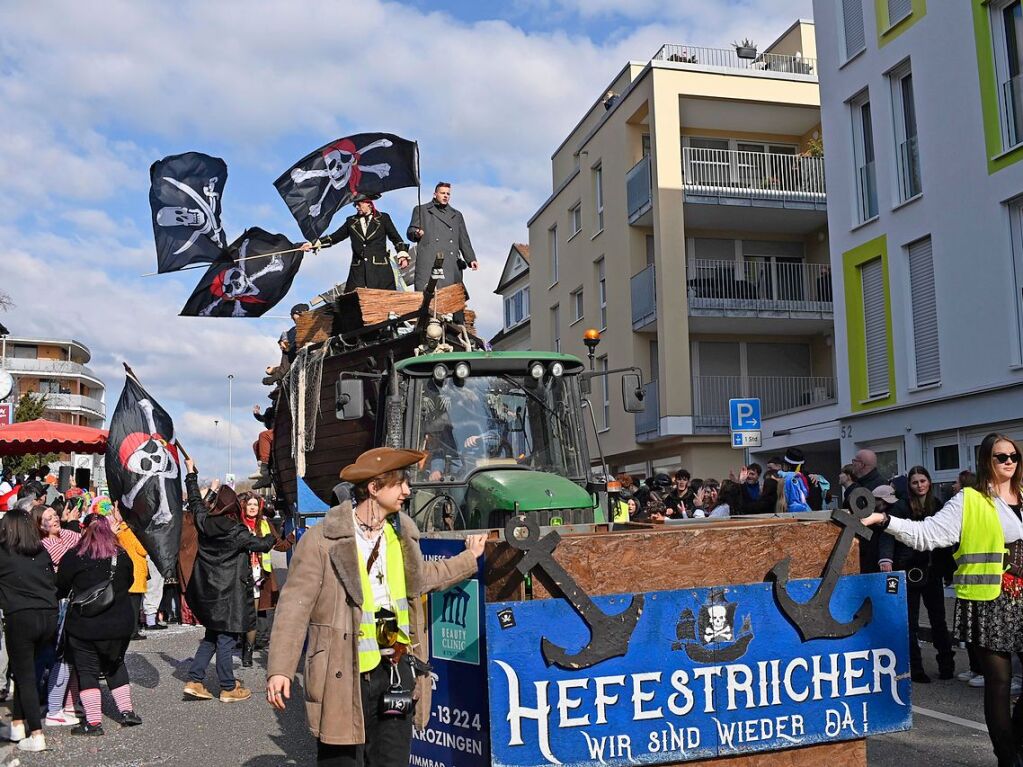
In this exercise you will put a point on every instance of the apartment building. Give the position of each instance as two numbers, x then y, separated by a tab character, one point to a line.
57	369
513	287
688	223
923	118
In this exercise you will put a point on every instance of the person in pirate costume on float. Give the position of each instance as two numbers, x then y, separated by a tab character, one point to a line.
369	230
355	586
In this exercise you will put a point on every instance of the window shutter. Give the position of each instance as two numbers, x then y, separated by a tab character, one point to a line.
875	328
852	17
925	313
898	10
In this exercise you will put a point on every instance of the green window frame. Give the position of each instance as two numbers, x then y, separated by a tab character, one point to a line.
887	32
852	260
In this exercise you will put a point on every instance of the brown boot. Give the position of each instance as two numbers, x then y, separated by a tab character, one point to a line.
237	694
197	690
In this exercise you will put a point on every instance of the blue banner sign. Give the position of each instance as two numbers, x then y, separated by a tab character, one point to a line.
458	732
708	672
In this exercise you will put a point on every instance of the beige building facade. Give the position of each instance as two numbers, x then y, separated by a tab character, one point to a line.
688	223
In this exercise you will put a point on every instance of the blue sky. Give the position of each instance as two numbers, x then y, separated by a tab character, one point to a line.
89	100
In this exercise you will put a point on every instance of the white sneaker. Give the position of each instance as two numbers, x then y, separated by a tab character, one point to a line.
12	732
965	676
35	742
977	681
1017	686
60	719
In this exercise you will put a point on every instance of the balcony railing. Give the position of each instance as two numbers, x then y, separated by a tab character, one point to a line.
638	189
728	172
755	286
644	298
909	168
866	189
727	58
17	365
75	402
777	394
648	422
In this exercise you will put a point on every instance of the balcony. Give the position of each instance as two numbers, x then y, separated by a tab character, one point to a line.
777	394
639	193
779	192
644	300
759	288
76	402
726	58
59	368
648	422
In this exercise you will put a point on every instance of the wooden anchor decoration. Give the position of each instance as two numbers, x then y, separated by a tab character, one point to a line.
813	619
609	634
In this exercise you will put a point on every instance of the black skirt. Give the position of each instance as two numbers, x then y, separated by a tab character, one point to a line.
996	625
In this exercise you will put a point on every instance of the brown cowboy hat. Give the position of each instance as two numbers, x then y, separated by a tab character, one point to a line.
379	460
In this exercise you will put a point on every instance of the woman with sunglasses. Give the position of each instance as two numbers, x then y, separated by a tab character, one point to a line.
987	523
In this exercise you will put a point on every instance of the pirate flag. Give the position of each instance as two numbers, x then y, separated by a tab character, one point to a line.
252	279
144	474
185	197
322	182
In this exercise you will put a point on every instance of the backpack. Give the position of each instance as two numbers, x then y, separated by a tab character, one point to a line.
796	490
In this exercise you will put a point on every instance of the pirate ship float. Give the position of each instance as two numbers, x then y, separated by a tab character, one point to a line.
503	431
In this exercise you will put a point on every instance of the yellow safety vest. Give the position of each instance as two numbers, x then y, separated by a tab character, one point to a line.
981	553
621	512
264	559
369	648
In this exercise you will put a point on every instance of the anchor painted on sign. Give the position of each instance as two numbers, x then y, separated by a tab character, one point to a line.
813	618
609	634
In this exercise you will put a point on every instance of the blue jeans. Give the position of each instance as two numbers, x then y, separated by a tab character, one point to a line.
223	645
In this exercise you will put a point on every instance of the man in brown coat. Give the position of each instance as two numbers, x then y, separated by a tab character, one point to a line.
354	649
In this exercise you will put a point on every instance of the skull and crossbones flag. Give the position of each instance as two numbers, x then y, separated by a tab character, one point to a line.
144	474
252	279
185	197
324	181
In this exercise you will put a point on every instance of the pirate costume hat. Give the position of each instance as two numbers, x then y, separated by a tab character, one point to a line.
364	197
226	502
379	460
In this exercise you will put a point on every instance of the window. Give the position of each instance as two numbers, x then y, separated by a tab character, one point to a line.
946	457
516	308
577	304
650	252
898	10
655	357
26	352
852	27
863	152
875	328
1007	29
598	191
605	393
49	387
602	293
575	217
906	149
924	305
556	328
645	144
552	245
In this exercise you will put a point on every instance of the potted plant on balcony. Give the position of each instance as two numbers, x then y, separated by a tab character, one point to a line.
747	49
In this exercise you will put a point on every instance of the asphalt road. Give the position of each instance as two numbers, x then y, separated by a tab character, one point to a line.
948	722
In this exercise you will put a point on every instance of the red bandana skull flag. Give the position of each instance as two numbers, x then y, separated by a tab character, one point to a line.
252	279
144	473
185	195
322	182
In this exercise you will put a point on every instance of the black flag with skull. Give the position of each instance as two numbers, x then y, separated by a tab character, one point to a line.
185	195
254	278
323	181
144	474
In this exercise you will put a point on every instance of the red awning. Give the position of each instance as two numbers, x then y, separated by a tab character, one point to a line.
42	436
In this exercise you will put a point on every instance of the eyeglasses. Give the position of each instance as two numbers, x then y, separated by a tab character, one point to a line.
1006	457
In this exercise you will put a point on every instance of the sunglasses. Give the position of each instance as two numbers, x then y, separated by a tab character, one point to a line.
1006	457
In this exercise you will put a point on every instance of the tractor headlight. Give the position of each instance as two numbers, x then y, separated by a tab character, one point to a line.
557	369
536	370
440	372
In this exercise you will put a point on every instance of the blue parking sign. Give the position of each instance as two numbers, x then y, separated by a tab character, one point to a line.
744	414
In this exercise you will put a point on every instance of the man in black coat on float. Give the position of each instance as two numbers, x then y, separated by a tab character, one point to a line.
369	230
220	590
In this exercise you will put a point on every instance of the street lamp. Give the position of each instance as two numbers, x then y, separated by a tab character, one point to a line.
230	419
216	437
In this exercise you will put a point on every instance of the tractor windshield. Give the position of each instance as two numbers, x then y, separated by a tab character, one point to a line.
496	420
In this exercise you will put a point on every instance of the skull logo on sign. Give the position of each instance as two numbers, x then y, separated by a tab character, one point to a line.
718	630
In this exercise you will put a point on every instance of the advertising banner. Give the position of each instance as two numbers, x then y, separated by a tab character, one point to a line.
708	672
458	734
